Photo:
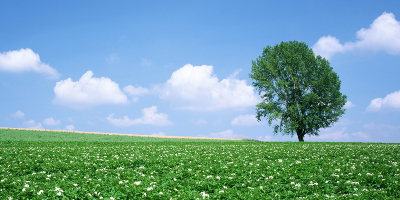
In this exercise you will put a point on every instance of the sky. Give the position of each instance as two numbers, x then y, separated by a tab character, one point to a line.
181	68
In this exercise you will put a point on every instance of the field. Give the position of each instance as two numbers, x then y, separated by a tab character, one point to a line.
55	165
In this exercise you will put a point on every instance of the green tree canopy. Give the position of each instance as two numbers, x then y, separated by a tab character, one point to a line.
298	89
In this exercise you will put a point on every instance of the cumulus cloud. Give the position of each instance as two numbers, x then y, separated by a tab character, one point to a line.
348	105
327	46
228	134
265	138
390	102
150	117
18	114
136	91
246	120
201	122
341	136
88	91
51	122
32	124
382	35
197	88
70	127
159	134
25	60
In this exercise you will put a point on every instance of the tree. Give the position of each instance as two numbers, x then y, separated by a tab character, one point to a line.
297	88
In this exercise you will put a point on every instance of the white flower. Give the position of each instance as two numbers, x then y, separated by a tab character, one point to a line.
26	185
23	189
89	194
297	162
160	193
40	192
75	184
59	194
150	188
138	182
297	185
111	198
174	179
221	191
205	195
120	182
279	160
218	177
291	183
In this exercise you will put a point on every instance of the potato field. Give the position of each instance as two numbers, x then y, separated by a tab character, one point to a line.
156	168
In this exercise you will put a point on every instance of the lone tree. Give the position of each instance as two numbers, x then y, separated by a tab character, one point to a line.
297	88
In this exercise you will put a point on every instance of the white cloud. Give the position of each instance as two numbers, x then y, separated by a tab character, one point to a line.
145	62
70	119
70	127
25	60
150	117
51	122
136	91
341	136
348	105
18	114
112	58
382	35
197	88
201	122
88	91
390	102
159	134
32	124
246	120
327	46
265	138
228	134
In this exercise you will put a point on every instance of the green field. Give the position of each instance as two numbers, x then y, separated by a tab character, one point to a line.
56	165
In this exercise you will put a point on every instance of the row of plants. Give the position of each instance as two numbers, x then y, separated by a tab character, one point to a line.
183	170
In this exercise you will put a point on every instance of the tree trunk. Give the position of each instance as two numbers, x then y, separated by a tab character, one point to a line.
300	135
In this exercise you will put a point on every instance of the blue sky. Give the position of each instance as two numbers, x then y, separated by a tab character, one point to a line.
180	68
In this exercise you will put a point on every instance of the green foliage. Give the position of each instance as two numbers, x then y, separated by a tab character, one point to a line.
297	88
182	170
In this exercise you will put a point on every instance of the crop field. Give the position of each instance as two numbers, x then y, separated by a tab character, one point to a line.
159	168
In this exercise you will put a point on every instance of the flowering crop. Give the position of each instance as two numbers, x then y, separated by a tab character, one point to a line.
203	170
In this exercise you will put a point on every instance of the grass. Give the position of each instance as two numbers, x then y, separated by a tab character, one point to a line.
65	136
88	166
